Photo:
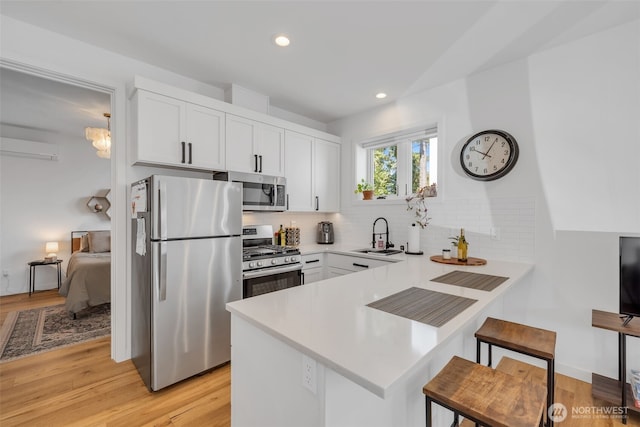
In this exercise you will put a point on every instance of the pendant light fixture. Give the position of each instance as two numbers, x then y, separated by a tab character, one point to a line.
101	138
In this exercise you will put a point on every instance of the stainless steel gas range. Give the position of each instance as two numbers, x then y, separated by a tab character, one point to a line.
267	267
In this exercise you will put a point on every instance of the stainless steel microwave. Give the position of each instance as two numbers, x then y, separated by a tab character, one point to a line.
259	192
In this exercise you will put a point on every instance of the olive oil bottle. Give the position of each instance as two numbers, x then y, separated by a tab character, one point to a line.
283	237
462	247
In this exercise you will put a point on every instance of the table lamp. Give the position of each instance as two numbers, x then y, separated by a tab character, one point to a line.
51	248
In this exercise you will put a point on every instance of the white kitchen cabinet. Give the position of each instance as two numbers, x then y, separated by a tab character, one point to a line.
337	272
298	166
254	147
352	263
326	167
171	132
313	267
312	169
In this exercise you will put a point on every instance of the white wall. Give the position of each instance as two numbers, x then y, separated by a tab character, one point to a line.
44	200
574	111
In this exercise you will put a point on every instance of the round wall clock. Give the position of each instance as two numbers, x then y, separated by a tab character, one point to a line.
489	155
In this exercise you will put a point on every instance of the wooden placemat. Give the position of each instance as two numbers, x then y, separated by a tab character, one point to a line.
465	279
422	305
454	261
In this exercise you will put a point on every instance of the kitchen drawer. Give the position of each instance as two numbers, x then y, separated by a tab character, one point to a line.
312	261
353	263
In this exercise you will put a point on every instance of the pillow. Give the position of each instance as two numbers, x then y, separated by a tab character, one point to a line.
84	243
99	241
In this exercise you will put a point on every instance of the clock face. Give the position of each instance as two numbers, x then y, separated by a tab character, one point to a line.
489	155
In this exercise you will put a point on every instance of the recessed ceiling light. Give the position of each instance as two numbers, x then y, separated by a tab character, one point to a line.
381	95
281	40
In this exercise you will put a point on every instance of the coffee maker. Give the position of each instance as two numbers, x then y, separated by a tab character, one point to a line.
325	233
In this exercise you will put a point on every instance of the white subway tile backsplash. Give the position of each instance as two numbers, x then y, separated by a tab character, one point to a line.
515	217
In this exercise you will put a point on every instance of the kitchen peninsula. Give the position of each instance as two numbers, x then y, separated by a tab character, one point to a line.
317	355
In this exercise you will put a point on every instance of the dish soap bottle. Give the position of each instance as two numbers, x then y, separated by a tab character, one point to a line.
283	238
462	247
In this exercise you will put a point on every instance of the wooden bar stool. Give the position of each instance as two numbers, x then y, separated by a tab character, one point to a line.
485	396
534	342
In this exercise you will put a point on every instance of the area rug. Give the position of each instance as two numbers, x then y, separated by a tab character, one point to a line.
43	329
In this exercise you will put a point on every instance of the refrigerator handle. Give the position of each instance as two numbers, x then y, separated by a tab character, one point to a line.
162	210
162	283
159	271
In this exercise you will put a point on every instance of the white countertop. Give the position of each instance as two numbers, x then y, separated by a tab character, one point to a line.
329	320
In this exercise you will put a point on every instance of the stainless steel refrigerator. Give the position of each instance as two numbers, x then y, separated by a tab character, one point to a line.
186	265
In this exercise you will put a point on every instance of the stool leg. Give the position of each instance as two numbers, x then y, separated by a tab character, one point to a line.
489	362
478	350
551	386
32	278
428	411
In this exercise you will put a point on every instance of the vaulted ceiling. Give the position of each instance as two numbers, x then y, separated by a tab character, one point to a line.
341	53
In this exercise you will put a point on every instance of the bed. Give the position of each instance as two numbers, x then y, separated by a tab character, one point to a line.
88	281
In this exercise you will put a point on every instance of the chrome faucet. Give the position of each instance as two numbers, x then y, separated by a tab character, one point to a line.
386	233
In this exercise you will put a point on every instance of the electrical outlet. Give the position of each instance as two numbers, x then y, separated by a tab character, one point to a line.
309	373
494	232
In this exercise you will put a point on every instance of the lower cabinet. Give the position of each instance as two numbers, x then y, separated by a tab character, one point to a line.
328	265
313	268
336	272
353	263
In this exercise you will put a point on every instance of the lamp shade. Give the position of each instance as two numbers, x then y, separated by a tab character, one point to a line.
51	248
101	140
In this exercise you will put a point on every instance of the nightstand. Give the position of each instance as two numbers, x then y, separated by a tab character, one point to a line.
32	272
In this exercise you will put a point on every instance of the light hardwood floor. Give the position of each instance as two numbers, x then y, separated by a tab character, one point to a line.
81	386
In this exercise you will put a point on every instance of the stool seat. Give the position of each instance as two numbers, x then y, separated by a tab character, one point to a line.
522	338
516	368
485	395
535	342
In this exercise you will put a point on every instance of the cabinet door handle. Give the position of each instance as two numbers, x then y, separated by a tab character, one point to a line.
355	264
260	156
190	153
302	274
183	148
317	203
311	261
255	163
287	201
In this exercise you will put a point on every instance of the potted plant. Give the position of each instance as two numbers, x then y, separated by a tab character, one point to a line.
365	188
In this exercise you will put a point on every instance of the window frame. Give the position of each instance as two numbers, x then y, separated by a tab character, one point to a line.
403	139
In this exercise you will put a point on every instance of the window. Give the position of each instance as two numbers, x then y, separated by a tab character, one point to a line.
401	164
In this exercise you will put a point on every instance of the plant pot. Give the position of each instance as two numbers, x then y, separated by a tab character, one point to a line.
367	195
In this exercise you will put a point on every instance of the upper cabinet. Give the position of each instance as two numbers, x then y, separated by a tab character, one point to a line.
312	169
176	128
327	175
173	132
298	162
254	147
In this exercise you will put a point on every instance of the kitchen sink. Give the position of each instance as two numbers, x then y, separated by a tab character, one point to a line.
378	251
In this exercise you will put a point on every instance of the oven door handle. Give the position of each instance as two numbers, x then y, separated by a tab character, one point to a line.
270	271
